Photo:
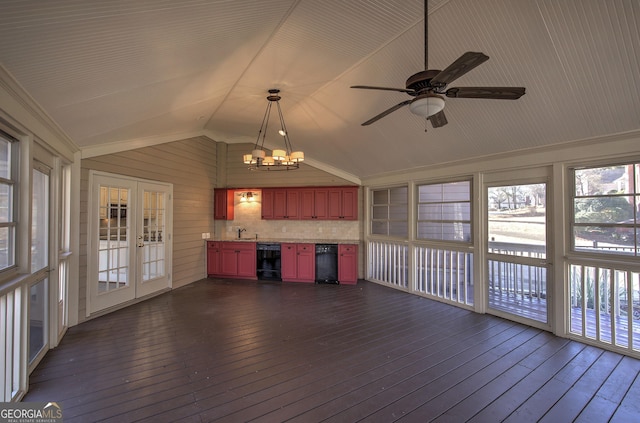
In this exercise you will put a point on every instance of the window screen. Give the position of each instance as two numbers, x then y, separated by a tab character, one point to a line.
444	211
389	211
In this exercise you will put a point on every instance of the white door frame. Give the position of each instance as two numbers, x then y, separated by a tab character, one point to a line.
522	177
134	245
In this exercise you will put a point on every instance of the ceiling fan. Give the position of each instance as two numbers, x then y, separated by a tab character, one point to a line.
429	86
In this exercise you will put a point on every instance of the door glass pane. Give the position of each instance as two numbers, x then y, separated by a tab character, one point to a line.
517	220
40	221
154	226
517	278
113	250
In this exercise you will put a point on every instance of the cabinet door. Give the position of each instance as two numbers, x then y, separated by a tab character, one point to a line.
350	203
280	204
293	204
335	203
267	203
306	262
348	264
321	204
228	261
307	204
213	258
288	261
343	203
223	204
247	262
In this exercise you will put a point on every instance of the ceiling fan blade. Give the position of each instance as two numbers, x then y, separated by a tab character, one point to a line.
368	87
386	112
438	120
462	65
498	93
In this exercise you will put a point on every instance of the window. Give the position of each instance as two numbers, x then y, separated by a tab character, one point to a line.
606	207
444	211
389	211
8	175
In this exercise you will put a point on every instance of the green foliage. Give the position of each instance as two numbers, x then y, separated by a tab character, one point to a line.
602	210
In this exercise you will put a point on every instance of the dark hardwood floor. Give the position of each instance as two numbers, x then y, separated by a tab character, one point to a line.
236	351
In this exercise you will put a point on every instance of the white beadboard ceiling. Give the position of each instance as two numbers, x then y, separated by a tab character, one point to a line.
111	72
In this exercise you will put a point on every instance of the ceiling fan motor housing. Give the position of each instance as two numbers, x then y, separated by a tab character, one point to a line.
421	81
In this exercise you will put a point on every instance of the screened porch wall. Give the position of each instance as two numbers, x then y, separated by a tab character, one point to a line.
566	317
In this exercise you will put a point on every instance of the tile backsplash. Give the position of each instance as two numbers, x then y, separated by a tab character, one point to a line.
248	215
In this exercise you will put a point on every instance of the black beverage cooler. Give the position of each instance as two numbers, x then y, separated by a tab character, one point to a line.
327	263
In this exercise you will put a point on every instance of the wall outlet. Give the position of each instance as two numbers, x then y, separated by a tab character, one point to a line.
205	235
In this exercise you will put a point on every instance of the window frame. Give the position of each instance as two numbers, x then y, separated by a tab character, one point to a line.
634	163
389	220
13	203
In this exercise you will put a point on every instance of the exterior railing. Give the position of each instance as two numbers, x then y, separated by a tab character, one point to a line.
445	274
507	277
604	303
388	263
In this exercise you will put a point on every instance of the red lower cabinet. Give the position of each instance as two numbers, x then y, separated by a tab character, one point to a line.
298	262
348	263
213	258
231	259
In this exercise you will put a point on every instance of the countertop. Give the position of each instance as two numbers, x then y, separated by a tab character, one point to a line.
285	241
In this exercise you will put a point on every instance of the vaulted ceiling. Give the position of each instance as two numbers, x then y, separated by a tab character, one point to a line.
127	72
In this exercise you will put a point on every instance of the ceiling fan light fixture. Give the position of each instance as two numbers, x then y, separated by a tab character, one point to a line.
427	106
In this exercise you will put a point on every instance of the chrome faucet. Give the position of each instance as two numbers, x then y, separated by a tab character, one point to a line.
240	231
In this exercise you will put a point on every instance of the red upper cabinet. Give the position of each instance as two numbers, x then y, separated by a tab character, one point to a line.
267	203
343	203
223	204
317	203
293	204
280	203
313	203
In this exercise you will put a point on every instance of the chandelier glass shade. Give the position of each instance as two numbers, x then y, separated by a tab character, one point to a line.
280	158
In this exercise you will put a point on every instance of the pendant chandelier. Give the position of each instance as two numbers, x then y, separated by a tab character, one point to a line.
280	159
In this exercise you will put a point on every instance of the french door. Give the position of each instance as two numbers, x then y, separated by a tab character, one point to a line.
130	240
517	251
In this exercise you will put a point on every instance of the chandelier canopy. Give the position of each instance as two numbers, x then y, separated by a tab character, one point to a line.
280	159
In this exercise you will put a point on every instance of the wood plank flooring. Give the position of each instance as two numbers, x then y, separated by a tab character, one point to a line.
239	351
